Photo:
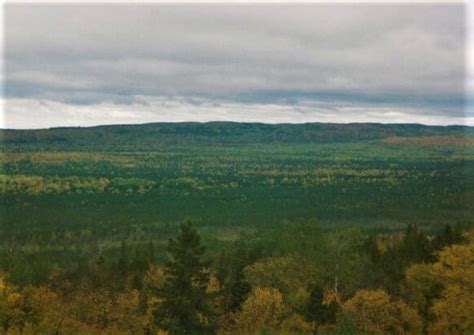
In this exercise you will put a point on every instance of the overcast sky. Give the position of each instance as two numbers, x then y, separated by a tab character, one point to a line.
89	64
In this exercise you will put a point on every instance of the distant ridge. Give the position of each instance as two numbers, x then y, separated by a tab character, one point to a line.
236	122
155	135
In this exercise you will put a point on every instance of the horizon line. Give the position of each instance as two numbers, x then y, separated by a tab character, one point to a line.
241	122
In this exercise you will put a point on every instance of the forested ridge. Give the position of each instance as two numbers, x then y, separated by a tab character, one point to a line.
157	135
233	228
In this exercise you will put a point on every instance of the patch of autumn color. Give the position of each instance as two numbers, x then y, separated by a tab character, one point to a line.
421	287
154	279
155	276
454	311
290	275
60	158
213	284
375	312
125	314
330	297
263	309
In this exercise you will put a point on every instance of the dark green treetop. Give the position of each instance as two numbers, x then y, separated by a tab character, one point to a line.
185	308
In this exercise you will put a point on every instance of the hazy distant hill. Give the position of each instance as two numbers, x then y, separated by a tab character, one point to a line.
156	135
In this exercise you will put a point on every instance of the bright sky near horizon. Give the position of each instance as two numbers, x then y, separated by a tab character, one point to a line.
90	64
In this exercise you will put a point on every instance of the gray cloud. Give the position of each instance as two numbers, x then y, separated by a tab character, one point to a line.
407	57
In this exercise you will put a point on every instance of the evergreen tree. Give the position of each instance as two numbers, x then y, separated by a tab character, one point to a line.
239	291
238	287
319	312
185	308
415	246
448	236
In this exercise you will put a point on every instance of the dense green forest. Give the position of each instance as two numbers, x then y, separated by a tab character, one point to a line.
231	228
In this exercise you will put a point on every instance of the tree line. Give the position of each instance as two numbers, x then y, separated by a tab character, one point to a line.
293	278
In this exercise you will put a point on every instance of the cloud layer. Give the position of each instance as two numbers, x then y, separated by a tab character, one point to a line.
92	64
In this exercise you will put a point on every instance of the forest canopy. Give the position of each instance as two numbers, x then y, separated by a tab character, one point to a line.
234	228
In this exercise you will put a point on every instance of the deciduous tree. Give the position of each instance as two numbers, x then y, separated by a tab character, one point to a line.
263	309
375	312
455	309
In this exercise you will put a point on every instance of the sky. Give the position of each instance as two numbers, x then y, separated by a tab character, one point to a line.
92	64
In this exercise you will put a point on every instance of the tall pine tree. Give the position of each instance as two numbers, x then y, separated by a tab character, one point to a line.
184	308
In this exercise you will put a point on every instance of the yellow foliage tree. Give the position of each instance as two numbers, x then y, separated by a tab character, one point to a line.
155	276
291	276
454	311
420	288
35	310
373	311
125	313
48	314
263	309
154	279
11	314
